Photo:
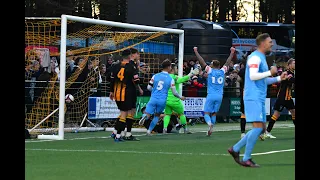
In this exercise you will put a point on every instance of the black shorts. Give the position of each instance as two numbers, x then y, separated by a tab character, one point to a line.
126	105
134	99
241	105
280	104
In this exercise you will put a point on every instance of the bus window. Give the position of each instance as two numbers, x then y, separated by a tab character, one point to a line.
246	31
280	34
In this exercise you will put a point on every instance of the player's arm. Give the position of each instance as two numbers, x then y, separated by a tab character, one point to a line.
272	80
253	65
282	77
228	61
182	79
150	85
201	60
187	77
232	51
174	91
136	78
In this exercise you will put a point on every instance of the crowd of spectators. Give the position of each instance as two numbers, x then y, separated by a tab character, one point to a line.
195	87
98	68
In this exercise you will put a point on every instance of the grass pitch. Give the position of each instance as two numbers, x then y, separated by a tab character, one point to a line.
95	156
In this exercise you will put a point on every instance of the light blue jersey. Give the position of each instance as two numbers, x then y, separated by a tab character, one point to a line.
215	83
161	82
256	90
215	80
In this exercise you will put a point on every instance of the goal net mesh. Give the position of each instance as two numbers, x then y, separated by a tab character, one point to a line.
90	50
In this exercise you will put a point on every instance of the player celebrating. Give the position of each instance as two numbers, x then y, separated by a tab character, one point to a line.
174	103
284	99
215	82
124	76
255	92
159	86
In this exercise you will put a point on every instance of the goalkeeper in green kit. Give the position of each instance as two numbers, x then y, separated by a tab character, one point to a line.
174	103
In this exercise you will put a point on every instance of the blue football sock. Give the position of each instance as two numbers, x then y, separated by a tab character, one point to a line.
153	123
213	119
240	144
207	119
251	141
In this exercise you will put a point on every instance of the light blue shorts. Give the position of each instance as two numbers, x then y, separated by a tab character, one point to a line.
156	106
213	103
255	111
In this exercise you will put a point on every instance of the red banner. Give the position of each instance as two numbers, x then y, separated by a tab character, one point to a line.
52	49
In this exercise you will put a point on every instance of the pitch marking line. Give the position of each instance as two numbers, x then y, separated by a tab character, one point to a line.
107	137
84	138
101	137
165	153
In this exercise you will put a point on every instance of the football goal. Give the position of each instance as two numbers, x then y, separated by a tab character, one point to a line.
66	69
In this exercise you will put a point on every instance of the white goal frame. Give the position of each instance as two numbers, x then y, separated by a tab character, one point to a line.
64	19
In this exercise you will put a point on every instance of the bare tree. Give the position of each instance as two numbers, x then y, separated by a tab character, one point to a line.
223	6
288	11
234	10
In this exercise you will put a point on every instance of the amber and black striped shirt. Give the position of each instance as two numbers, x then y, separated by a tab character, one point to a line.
124	76
286	86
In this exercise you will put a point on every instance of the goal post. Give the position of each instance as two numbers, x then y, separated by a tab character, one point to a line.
63	59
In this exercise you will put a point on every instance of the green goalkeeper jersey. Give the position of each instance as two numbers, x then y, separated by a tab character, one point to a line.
177	80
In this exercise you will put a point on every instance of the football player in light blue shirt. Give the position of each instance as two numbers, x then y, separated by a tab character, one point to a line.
257	77
215	84
159	86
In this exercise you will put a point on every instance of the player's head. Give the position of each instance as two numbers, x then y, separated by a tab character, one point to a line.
126	54
215	64
135	55
291	64
166	65
174	69
264	42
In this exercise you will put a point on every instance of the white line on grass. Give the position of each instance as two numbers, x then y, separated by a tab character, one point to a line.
144	152
272	152
106	137
36	141
82	138
99	137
